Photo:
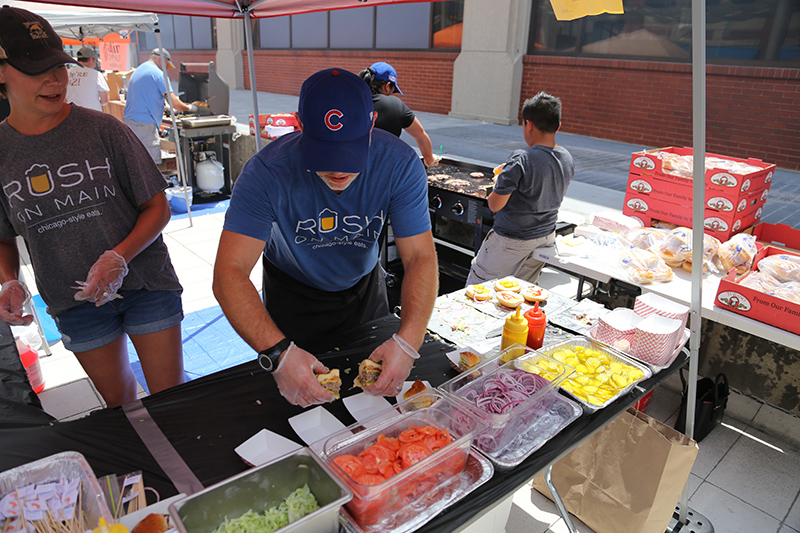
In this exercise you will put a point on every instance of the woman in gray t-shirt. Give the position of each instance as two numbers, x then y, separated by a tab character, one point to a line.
88	201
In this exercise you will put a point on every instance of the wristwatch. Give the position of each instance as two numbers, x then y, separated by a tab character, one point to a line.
268	359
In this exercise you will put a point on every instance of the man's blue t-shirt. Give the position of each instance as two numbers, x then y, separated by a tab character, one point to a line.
322	239
145	98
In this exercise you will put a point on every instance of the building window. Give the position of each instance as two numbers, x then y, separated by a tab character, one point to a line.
738	31
448	21
413	26
181	33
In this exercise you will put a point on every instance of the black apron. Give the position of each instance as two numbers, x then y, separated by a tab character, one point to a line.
308	316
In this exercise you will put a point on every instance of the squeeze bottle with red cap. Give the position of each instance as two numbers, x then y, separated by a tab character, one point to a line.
537	322
515	330
30	360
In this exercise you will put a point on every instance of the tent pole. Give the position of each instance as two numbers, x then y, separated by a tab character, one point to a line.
698	205
248	32
175	133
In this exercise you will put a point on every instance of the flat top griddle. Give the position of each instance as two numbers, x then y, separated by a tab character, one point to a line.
475	182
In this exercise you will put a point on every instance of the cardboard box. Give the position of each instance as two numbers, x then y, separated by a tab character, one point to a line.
718	224
274	125
757	305
645	163
779	235
116	82
169	159
725	200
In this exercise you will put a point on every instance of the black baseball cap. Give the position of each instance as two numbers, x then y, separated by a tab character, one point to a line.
28	42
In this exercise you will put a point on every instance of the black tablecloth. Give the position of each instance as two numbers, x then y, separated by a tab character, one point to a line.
19	405
207	418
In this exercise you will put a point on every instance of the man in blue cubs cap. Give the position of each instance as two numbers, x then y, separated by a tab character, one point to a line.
312	204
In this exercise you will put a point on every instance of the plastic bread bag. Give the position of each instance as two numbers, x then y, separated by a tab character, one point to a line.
761	282
789	291
783	267
644	266
738	252
676	247
608	239
645	238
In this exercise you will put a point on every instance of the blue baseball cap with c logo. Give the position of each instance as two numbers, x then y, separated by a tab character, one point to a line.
335	108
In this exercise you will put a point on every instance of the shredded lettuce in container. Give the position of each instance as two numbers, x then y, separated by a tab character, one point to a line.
296	505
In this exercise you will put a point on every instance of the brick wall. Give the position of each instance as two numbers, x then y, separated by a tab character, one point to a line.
751	111
426	78
182	56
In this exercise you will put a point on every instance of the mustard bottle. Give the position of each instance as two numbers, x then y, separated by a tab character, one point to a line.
515	331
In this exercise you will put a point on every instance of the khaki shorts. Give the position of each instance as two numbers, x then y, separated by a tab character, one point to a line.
501	256
148	134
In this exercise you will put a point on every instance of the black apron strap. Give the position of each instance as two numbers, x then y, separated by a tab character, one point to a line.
308	316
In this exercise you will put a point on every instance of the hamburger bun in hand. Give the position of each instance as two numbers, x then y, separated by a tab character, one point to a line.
331	382
368	372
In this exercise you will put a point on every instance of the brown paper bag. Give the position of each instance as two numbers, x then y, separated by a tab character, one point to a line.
627	477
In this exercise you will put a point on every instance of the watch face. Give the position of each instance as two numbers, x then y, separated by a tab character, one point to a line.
265	362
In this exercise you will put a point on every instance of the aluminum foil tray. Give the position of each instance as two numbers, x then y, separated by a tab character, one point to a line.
563	412
478	471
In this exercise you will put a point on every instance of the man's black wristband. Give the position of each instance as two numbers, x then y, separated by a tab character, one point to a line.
268	359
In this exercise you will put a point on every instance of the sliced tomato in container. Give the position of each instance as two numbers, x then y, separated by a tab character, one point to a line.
350	464
410	435
388	442
413	452
370	479
375	456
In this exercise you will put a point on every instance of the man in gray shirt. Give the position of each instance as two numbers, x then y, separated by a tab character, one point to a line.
526	197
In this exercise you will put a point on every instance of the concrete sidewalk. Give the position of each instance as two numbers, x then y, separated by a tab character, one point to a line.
601	166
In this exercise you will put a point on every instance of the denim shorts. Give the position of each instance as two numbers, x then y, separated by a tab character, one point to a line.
86	327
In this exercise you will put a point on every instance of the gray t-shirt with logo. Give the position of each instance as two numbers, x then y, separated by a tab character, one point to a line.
72	193
537	179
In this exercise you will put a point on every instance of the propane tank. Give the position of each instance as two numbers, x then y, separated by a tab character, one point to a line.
210	173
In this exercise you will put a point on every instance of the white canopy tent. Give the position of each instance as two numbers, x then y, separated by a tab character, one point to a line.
80	22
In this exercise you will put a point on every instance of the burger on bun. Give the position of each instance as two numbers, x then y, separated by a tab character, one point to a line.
420	401
331	382
468	360
368	372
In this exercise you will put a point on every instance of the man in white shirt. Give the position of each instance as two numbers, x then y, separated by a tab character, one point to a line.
87	87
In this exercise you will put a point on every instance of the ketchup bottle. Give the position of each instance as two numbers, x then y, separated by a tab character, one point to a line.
537	322
30	361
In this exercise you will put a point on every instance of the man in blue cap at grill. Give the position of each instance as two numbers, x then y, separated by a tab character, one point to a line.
311	205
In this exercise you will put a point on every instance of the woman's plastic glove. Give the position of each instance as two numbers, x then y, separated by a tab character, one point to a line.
13	296
296	377
104	280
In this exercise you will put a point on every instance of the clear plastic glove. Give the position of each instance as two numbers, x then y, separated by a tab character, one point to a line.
434	162
397	357
296	377
104	280
13	296
192	108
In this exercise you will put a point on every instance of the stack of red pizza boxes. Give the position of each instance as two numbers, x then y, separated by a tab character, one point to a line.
733	201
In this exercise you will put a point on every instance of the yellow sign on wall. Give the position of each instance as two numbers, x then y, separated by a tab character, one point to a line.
575	9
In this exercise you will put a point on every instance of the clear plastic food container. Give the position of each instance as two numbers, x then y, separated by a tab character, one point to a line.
508	397
261	488
384	501
601	375
56	469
